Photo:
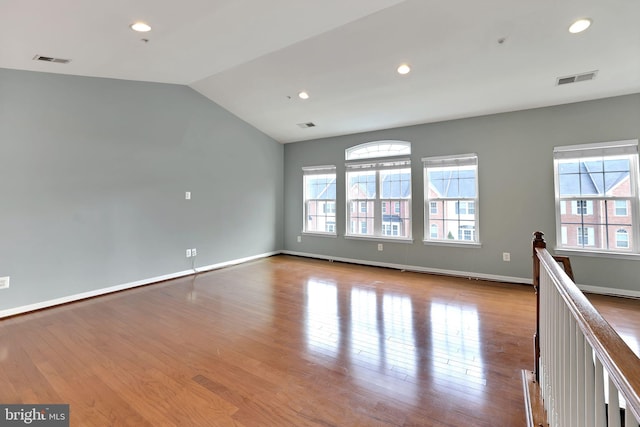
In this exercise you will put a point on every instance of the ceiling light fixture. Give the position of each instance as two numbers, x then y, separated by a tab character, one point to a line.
140	27
303	95
403	69
580	25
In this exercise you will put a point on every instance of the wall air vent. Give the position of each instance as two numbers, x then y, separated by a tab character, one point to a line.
50	59
306	125
576	78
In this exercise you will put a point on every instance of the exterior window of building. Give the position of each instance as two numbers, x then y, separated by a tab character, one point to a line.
379	181
390	230
585	236
600	184
434	231
582	207
451	199
329	208
466	232
319	199
622	239
621	208
465	208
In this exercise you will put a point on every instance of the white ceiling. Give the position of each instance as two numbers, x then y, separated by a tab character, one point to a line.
252	57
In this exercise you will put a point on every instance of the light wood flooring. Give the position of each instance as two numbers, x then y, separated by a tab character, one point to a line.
281	341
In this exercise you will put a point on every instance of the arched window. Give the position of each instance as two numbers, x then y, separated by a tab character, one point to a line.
622	238
371	150
378	181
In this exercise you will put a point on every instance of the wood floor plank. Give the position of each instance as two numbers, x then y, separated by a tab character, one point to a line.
284	341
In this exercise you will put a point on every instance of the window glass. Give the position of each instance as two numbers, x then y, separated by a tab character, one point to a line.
381	189
319	199
599	184
451	198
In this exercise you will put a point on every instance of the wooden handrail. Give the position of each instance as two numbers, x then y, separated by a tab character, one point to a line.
538	243
618	359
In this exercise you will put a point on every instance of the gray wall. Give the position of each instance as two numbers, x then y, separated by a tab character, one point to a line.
92	180
515	154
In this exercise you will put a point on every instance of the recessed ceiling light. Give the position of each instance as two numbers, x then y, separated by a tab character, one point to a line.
404	69
303	95
140	27
580	25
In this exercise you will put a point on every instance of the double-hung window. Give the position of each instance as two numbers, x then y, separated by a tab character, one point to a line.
378	180
600	184
319	199
451	199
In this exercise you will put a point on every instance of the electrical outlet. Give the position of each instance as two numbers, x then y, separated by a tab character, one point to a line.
187	195
4	282
506	256
188	253
299	239
380	246
194	252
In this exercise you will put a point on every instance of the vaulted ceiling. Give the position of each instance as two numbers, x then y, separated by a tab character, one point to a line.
253	57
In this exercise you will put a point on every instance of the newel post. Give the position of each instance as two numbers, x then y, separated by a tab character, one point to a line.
538	242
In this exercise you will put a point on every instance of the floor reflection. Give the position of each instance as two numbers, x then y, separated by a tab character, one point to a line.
366	333
322	327
456	344
400	341
364	330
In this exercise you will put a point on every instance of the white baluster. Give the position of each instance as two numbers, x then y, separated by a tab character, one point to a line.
614	405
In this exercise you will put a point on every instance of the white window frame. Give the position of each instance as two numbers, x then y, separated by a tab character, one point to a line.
329	216
375	157
467	161
627	149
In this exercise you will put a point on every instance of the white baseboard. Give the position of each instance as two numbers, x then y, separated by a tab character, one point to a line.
468	274
235	261
627	293
103	291
472	275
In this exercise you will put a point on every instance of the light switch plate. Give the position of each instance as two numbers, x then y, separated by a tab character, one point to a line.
4	282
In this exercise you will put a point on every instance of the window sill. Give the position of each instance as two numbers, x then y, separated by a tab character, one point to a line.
596	254
319	234
378	239
457	244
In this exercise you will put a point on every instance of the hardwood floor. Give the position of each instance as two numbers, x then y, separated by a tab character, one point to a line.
282	341
623	314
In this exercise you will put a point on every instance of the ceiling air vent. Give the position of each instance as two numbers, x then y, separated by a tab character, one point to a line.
306	125
50	59
576	78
